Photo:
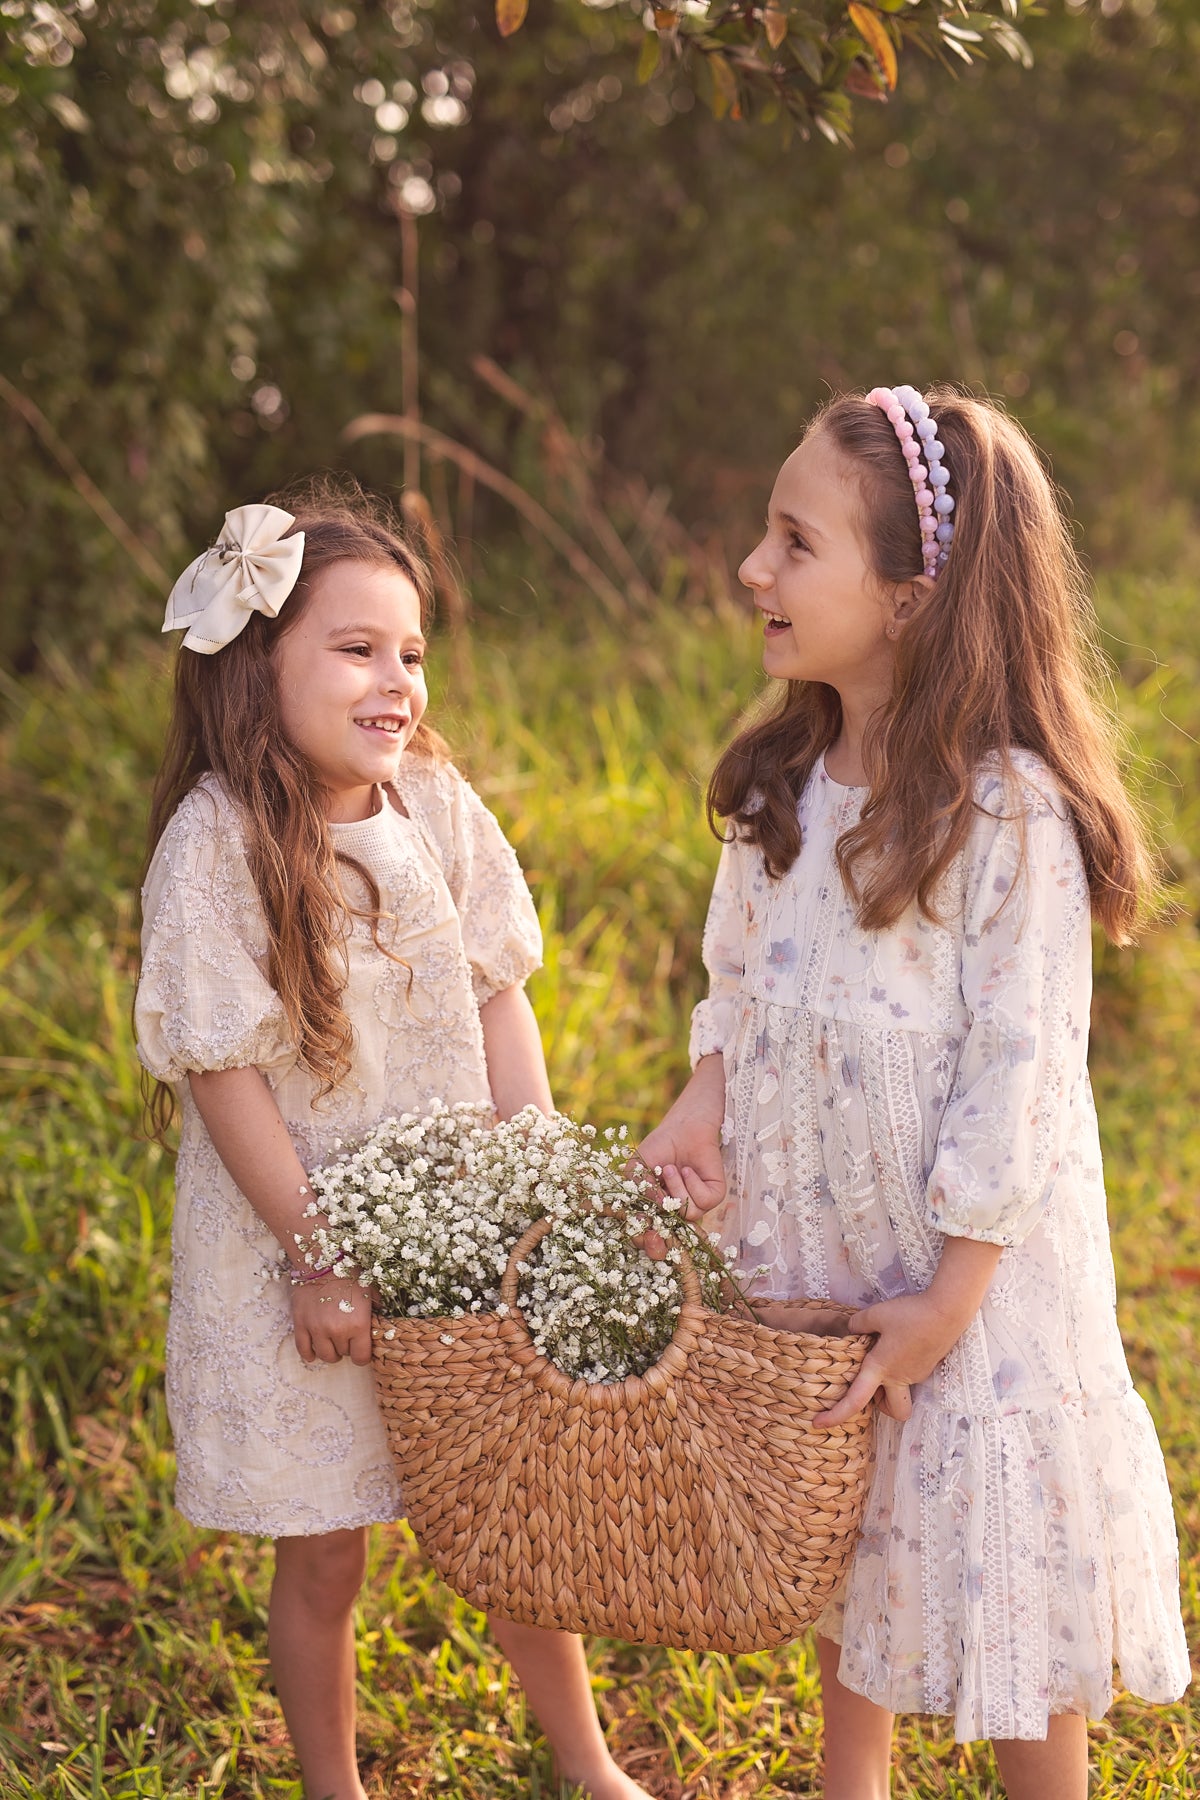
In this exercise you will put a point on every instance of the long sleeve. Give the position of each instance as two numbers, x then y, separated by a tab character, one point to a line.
203	999
724	929
1026	983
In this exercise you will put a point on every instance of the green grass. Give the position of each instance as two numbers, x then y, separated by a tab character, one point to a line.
134	1646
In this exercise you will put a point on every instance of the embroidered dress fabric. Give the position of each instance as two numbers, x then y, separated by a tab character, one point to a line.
264	1442
884	1089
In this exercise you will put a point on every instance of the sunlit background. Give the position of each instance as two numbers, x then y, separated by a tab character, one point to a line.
550	294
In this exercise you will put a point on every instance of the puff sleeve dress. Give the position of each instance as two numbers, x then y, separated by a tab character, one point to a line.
886	1089
265	1443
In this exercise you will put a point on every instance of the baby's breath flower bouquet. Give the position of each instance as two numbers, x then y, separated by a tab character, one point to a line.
586	1439
426	1213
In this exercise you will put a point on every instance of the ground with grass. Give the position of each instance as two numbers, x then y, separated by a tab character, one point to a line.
134	1646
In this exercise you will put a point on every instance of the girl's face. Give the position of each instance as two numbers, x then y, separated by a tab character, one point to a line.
351	681
825	610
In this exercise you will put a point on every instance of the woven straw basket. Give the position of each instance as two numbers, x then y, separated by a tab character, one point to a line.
694	1505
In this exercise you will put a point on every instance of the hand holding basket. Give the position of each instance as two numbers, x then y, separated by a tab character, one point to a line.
694	1505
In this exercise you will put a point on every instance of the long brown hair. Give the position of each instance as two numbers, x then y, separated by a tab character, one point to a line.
226	721
1002	655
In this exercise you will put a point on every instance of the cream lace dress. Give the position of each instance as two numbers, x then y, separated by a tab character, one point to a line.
265	1443
884	1089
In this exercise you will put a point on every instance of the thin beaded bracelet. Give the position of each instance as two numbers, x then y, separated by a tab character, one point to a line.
916	429
301	1278
298	1277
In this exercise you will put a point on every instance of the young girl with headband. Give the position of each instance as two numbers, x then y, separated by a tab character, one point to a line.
335	931
890	1097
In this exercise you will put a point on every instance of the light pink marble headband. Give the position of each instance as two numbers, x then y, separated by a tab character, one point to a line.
916	430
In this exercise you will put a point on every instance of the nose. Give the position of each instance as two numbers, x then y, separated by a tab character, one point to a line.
400	678
754	572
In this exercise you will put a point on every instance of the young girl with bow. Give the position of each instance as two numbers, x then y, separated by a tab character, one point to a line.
335	930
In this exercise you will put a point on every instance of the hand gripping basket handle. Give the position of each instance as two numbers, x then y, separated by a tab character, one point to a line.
532	1236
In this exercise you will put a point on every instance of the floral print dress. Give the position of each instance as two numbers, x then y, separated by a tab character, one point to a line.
264	1442
885	1089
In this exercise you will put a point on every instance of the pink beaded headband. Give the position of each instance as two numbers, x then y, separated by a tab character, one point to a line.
917	431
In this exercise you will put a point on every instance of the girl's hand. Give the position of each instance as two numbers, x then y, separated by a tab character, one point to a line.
914	1334
694	1173
332	1319
689	1155
687	1145
917	1330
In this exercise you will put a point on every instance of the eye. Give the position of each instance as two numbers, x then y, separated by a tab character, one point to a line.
795	541
361	650
413	659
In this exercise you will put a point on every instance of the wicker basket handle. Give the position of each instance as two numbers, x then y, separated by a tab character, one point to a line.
532	1236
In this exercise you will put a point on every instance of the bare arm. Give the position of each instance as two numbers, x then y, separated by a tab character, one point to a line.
245	1125
252	1141
516	1062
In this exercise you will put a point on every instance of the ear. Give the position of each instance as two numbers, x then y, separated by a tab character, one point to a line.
908	597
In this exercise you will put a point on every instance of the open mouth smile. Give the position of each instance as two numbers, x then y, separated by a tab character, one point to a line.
387	727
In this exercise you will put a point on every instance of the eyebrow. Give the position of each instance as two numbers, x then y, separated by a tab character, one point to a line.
799	525
370	631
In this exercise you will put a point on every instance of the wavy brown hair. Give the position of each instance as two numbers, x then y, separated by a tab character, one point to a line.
226	721
1002	655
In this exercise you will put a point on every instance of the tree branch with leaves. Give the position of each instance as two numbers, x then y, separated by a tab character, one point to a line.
803	63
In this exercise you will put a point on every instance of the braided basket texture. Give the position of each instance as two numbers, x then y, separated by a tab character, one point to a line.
695	1505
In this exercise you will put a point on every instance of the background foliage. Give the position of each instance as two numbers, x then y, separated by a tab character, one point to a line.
200	258
624	306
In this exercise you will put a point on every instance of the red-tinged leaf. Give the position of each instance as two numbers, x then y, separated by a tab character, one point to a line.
724	86
1185	1273
510	16
864	83
874	33
665	18
775	24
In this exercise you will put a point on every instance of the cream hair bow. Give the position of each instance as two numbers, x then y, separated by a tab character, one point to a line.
252	568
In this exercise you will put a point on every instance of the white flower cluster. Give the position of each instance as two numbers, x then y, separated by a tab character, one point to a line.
597	1305
426	1212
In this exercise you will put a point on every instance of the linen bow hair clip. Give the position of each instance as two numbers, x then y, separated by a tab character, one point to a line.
251	568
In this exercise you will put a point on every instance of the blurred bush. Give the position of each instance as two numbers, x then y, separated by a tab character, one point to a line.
200	257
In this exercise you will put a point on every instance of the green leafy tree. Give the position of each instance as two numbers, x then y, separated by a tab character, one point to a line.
200	250
803	61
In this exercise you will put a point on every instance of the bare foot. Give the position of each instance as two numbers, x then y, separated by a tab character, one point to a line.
610	1783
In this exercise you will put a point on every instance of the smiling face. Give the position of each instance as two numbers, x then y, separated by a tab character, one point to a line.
826	613
351	680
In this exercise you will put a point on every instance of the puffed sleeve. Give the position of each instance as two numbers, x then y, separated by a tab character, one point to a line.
724	931
203	1000
501	933
1026	981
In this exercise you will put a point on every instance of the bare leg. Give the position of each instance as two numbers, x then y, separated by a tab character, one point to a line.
858	1736
553	1670
1054	1768
311	1639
